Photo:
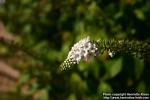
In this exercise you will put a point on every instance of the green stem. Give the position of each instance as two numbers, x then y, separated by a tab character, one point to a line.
137	48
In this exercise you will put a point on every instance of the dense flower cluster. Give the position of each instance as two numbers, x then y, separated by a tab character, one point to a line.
84	49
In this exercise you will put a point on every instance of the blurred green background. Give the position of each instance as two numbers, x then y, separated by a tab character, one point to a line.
50	27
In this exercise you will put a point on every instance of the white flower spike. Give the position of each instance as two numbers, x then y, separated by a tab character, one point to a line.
82	50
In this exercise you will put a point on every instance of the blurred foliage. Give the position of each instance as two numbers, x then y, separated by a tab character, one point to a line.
50	27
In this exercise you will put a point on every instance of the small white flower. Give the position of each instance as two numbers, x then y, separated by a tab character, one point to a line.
84	49
111	53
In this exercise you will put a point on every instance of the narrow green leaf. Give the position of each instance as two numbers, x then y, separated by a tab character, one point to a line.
113	67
